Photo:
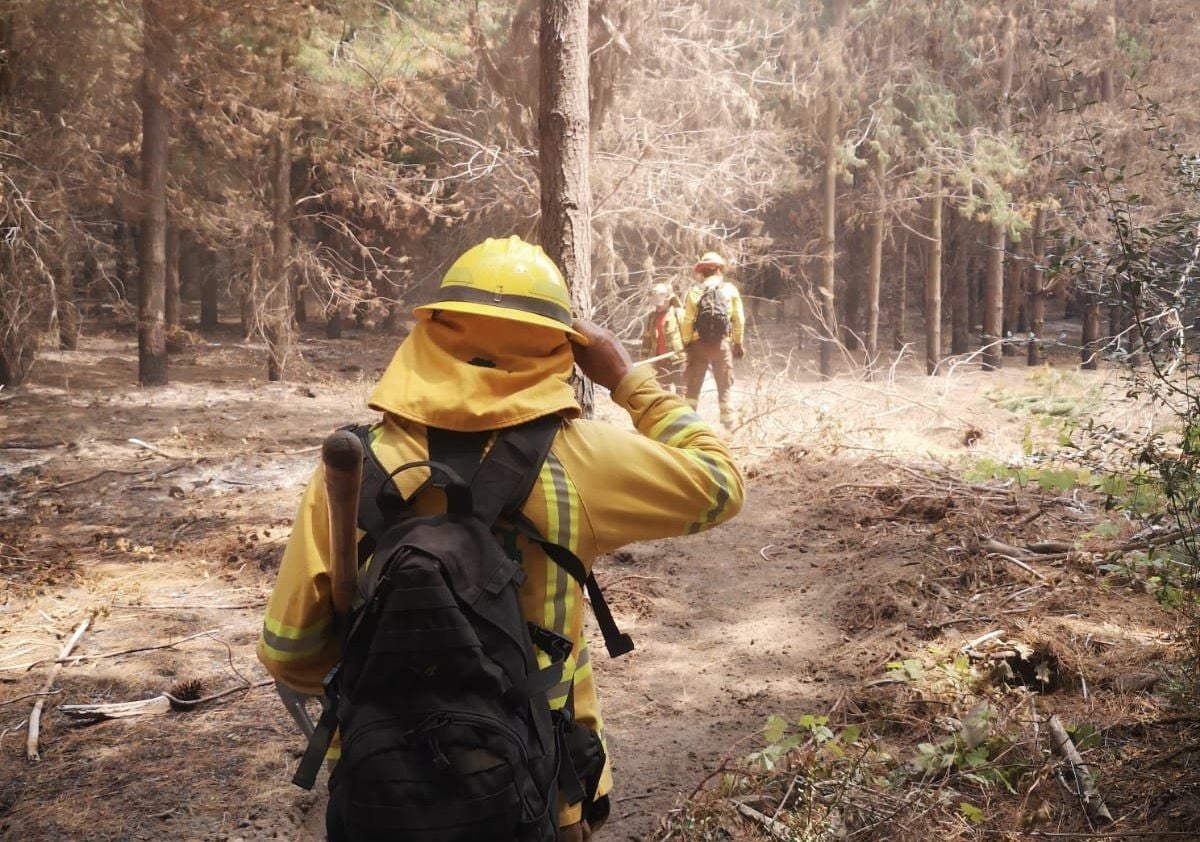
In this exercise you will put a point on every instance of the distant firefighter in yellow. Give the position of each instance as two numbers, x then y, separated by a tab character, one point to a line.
713	327
661	335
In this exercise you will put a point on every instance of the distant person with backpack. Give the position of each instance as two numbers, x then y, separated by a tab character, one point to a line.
713	328
462	684
661	335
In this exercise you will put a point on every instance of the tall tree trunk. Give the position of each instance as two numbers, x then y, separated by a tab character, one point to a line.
333	321
189	267
803	311
933	282
1089	351
8	76
299	302
899	335
993	297
878	229
1036	287
210	292
960	270
152	340
1012	292
1108	69
68	298
277	321
563	135
825	294
171	294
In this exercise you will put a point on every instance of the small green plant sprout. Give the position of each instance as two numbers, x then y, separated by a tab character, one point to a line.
910	669
972	813
782	737
966	751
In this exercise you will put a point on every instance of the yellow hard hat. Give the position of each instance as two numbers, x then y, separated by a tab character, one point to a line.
710	259
506	279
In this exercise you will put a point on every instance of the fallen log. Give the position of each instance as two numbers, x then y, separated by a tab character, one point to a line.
1093	804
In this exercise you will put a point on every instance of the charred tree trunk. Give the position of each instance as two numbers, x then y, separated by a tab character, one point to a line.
299	303
564	137
933	282
210	292
878	229
171	294
1089	351
333	321
277	322
1012	291
899	335
960	268
826	299
68	299
189	267
993	298
152	339
1036	287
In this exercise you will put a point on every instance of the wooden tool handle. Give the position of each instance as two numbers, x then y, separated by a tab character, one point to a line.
342	455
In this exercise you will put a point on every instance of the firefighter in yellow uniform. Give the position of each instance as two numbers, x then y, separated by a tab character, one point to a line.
713	328
660	335
464	368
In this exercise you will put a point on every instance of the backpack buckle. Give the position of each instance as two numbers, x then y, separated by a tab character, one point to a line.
552	643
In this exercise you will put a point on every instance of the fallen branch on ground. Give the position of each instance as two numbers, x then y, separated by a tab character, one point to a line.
1020	565
75	659
156	706
1093	804
35	717
777	829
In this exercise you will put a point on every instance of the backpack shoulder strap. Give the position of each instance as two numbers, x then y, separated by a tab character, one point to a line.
520	452
507	475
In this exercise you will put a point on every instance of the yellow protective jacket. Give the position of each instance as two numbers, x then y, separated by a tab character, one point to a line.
671	331
737	315
600	488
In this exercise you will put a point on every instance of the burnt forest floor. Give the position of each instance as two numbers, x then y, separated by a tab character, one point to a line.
851	587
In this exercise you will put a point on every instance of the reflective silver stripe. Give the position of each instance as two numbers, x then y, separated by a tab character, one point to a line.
563	501
307	642
722	498
677	426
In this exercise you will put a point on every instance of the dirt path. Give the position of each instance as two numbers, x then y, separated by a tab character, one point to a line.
783	611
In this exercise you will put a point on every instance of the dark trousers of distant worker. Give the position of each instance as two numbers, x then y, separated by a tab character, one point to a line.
700	357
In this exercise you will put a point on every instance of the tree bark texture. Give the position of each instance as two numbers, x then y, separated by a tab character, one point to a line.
899	336
1012	293
825	293
171	293
210	298
878	230
1089	351
960	269
1036	287
68	299
277	322
933	282
563	134
152	340
993	297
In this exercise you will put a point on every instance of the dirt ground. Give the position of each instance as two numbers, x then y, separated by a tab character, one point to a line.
853	551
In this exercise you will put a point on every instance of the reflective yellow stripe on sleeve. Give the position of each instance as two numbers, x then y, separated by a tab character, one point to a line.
562	528
285	643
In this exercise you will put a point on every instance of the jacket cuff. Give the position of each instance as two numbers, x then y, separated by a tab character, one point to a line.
633	380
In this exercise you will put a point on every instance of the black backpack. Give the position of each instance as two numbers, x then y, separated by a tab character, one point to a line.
713	322
446	733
